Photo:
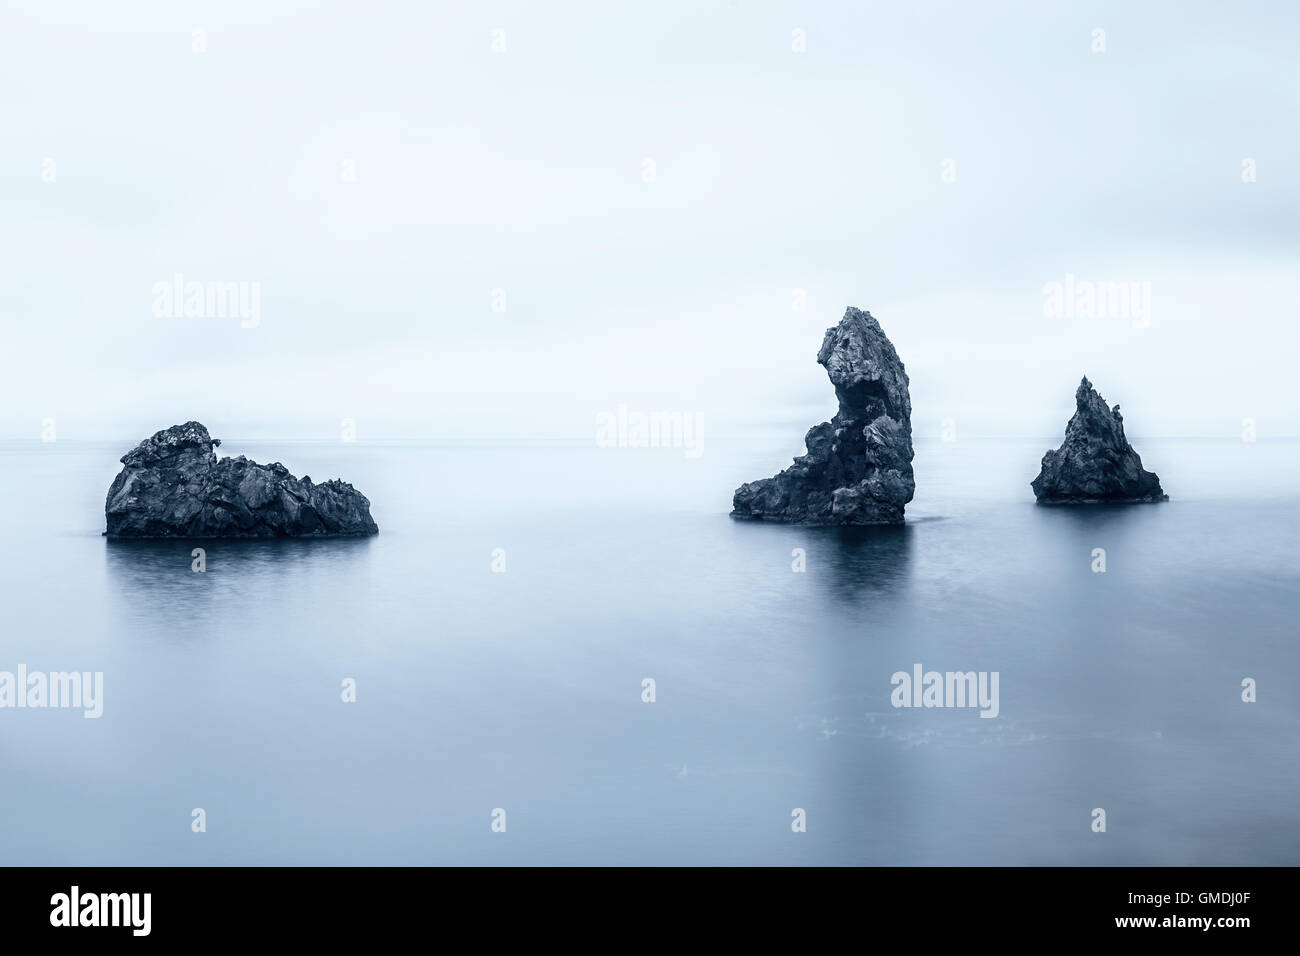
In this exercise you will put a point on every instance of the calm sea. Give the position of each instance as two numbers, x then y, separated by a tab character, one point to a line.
521	690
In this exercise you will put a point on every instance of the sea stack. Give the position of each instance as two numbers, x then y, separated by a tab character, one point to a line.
858	469
1096	463
173	486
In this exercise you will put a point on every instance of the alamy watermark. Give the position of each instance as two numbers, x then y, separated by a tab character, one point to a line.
61	689
633	429
129	910
1084	299
923	688
179	299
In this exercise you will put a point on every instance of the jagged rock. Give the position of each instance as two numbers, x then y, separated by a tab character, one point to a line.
174	486
1096	463
858	469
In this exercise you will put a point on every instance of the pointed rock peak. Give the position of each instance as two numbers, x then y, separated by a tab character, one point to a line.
854	314
858	334
1092	412
1095	462
1086	394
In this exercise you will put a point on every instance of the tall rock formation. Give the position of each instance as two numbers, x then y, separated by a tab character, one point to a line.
858	469
1095	463
173	486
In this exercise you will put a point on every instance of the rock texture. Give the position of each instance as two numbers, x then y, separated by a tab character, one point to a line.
174	486
1096	463
858	469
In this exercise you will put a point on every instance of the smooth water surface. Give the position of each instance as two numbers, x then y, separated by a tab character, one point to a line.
522	690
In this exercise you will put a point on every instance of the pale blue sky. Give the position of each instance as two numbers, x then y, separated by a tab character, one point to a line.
523	171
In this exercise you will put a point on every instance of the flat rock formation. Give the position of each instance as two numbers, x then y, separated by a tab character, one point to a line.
858	469
173	486
1096	463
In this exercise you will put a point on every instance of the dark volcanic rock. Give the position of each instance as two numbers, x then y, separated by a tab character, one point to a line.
1096	463
858	469
173	486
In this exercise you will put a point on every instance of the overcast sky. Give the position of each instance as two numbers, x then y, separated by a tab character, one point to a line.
129	157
